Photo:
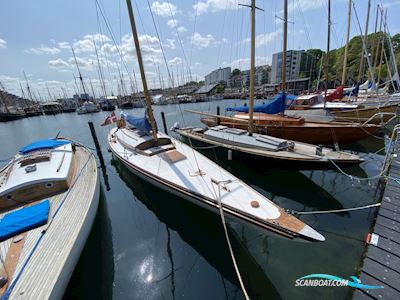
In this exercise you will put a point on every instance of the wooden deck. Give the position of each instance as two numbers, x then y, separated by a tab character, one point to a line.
51	251
381	264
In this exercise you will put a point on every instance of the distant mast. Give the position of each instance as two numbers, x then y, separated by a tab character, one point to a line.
328	44
79	72
28	88
285	22
346	49
142	73
252	58
364	45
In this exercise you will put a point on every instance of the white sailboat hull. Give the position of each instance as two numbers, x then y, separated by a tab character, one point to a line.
180	178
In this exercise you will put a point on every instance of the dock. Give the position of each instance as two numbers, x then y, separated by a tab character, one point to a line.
381	265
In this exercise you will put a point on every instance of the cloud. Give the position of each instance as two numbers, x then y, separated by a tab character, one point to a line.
85	45
244	63
3	44
64	45
170	43
202	7
304	5
202	41
84	63
44	50
149	45
172	23
58	63
164	9
264	39
175	61
181	29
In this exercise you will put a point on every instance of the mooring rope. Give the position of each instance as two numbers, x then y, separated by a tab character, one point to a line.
221	212
293	212
380	175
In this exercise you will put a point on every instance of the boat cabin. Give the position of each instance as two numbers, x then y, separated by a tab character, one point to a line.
40	170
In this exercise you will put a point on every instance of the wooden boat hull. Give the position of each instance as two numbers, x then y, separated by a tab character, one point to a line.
46	256
363	114
304	158
326	133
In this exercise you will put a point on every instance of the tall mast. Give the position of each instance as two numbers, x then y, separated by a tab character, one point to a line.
364	46
252	58
328	44
142	73
346	49
377	50
285	22
48	92
22	91
100	70
28	88
79	72
91	87
3	98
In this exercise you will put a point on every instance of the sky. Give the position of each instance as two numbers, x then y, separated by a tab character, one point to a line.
180	40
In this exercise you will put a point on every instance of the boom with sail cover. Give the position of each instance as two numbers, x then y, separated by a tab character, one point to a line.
276	106
142	124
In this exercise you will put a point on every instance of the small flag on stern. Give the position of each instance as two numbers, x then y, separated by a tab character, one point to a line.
110	119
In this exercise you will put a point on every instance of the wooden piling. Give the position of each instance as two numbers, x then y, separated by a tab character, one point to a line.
164	123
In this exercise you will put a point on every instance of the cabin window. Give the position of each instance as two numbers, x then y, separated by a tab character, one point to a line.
9	197
49	185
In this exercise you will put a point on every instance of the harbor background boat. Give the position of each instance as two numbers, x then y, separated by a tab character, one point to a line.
146	243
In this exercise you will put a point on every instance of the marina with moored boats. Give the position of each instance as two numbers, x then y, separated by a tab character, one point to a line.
133	179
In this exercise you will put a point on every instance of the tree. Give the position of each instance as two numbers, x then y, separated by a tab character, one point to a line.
219	89
235	72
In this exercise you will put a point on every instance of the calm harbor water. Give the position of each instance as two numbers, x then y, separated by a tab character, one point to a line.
149	244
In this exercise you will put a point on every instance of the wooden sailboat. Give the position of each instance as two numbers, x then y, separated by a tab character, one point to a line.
297	128
49	194
265	145
175	167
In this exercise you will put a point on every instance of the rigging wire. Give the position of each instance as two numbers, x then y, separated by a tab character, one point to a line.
102	12
180	40
194	30
160	43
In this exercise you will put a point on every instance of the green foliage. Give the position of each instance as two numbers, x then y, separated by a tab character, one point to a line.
219	89
336	57
235	72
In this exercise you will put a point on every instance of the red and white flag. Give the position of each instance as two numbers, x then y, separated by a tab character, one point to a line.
110	119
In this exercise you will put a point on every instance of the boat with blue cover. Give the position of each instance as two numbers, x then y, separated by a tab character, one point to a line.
49	193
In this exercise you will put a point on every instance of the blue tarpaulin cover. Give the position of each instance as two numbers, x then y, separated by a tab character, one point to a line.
140	123
276	106
43	144
24	219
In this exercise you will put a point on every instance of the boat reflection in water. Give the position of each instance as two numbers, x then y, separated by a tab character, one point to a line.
201	230
95	267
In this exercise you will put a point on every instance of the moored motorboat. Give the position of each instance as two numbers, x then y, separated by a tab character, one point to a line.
88	107
49	194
